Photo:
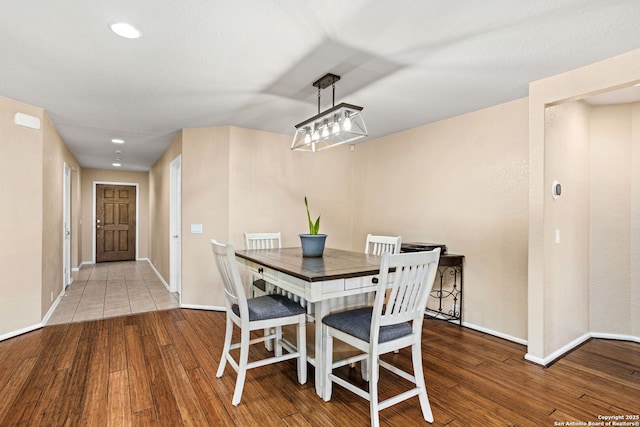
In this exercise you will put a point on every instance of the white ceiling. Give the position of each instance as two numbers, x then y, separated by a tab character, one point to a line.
251	63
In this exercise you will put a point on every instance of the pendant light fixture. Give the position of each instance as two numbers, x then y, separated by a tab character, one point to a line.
338	125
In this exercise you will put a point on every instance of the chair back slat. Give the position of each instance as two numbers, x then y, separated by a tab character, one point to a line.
262	240
405	284
378	245
233	289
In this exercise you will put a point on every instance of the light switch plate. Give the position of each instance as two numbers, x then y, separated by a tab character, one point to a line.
196	228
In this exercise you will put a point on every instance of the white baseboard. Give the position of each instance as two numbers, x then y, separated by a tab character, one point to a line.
203	307
53	307
494	333
575	343
544	361
20	331
619	337
83	263
153	267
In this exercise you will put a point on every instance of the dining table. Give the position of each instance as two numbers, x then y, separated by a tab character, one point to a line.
336	280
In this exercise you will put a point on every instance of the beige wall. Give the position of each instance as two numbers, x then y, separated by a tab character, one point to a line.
205	200
268	183
56	154
240	180
159	195
21	151
567	160
544	335
461	182
614	230
88	177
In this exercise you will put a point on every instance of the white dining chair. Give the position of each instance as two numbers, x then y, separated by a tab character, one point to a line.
394	322
265	312
378	245
254	241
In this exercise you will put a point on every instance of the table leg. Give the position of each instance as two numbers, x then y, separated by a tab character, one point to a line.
321	309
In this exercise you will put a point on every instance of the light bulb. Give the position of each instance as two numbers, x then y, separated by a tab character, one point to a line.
336	126
346	123
325	129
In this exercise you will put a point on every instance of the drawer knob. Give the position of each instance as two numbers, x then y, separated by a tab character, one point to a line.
374	280
260	270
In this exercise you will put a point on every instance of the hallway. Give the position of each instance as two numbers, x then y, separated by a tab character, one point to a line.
112	289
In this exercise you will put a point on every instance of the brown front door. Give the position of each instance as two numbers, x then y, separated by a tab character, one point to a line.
115	222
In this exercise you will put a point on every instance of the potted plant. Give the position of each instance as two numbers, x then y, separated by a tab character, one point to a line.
312	243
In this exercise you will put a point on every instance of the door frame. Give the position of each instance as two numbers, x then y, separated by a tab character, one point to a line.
175	225
93	225
67	279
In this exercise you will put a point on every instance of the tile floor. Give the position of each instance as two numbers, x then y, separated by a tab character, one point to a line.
112	289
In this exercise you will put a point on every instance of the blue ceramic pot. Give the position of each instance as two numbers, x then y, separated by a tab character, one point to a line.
312	244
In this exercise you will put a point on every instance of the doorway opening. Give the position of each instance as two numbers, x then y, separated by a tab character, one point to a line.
175	227
66	227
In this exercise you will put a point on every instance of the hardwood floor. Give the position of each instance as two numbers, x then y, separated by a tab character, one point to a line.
159	368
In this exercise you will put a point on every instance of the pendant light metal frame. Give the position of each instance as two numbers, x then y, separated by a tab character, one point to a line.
335	126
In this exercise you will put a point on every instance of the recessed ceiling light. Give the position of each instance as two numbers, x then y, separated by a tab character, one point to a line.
117	141
116	164
125	30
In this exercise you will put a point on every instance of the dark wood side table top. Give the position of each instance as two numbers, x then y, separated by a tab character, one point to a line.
446	259
334	264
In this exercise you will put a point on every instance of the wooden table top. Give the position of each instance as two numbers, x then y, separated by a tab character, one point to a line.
334	264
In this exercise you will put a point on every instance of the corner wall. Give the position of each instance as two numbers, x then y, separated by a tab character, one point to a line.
567	160
240	180
55	155
21	219
159	195
620	71
615	232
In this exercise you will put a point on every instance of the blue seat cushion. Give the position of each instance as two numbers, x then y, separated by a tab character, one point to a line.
270	307
357	323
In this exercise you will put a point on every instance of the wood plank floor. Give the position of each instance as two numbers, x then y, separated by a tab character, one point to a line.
159	368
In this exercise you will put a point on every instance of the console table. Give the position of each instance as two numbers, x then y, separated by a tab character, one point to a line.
446	295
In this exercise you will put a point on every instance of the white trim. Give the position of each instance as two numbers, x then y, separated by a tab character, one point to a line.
203	307
93	226
175	224
21	331
558	353
153	267
494	333
53	307
618	337
66	225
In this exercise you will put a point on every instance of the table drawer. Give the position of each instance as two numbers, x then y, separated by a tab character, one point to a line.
360	282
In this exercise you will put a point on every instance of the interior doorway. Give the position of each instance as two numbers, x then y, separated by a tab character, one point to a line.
175	228
66	227
115	222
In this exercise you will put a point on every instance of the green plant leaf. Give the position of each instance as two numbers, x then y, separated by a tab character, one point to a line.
313	228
